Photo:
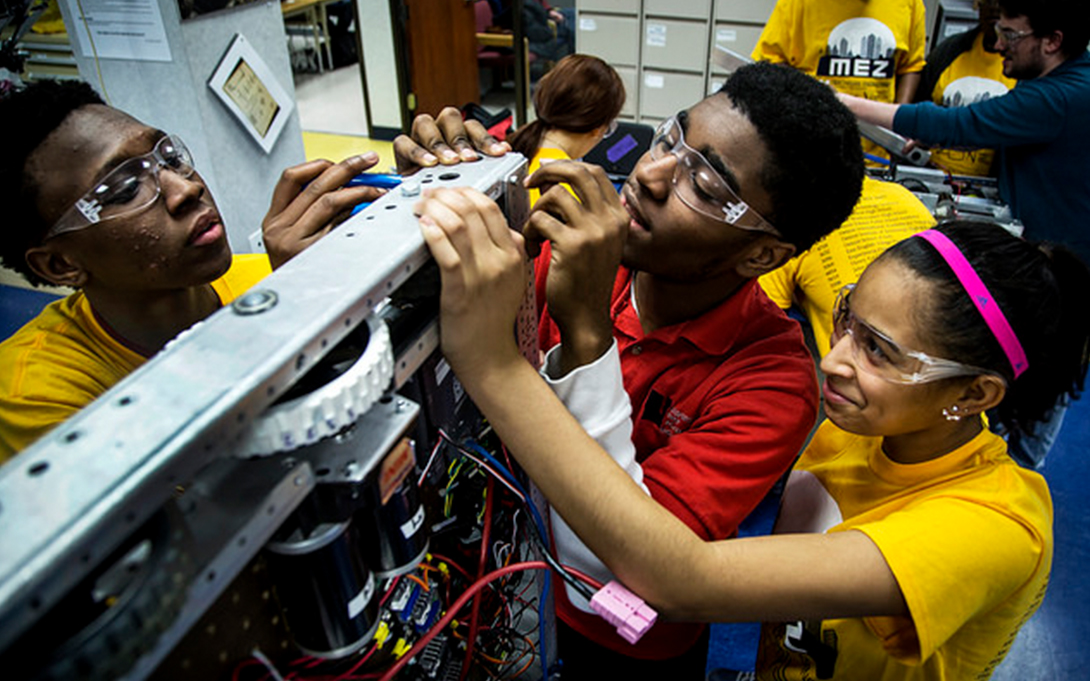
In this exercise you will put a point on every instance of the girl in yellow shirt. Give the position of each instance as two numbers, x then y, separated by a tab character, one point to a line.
910	546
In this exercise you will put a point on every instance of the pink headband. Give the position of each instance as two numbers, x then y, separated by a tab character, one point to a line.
978	293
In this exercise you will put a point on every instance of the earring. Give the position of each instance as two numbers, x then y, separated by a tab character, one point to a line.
951	413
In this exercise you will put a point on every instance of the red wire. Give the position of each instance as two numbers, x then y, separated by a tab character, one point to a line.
390	591
454	565
248	662
507	455
359	663
458	604
598	586
474	619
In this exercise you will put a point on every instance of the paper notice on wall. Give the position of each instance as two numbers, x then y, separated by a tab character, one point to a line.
726	35
656	35
587	24
120	29
654	80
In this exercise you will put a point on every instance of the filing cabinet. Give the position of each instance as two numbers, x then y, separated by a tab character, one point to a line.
630	79
674	44
689	9
614	6
740	38
746	11
662	48
614	38
664	93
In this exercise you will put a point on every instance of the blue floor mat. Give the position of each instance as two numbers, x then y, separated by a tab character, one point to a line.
18	306
1052	645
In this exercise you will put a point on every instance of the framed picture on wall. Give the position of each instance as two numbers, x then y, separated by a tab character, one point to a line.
247	87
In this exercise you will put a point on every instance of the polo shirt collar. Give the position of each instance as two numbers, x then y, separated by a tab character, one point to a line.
715	332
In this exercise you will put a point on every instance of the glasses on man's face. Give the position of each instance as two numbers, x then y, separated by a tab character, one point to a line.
880	356
700	186
127	189
611	129
1009	35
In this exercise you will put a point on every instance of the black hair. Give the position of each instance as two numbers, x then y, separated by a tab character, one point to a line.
815	170
1070	17
1041	289
29	115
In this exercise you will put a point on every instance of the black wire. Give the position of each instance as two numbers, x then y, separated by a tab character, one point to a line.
570	579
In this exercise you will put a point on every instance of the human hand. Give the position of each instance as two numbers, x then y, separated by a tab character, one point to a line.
587	236
445	140
482	264
309	200
911	144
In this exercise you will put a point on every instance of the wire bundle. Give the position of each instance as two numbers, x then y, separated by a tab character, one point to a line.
493	630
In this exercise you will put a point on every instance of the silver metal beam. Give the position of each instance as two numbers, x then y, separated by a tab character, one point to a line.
71	498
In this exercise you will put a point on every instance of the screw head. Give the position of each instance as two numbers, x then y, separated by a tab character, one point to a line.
255	302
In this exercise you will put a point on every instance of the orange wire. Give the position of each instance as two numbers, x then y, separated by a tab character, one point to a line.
489	658
530	652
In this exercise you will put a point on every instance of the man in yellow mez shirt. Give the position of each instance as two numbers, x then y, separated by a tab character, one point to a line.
961	70
867	48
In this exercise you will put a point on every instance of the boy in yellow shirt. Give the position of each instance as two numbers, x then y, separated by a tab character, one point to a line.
102	203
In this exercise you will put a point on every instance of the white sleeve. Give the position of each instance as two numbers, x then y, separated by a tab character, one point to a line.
595	396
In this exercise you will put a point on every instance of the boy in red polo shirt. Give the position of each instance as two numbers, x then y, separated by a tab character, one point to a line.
722	387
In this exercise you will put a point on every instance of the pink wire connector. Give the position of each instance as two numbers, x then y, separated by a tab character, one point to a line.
624	610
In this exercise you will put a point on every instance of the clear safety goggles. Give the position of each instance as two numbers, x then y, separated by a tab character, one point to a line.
1009	35
880	356
128	188
700	186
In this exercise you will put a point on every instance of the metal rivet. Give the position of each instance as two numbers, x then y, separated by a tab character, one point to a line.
255	302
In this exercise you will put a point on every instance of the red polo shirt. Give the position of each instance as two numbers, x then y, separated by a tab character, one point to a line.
721	404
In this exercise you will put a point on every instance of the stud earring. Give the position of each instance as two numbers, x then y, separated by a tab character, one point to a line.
951	413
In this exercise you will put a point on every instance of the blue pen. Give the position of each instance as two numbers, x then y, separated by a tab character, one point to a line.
381	180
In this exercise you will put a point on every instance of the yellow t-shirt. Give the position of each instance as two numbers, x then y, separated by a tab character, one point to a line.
549	154
63	359
973	76
885	214
968	537
858	46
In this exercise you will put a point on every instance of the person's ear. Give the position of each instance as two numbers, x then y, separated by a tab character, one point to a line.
765	255
56	266
1053	42
981	394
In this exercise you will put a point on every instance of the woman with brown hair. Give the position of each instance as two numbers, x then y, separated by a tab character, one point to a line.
577	104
